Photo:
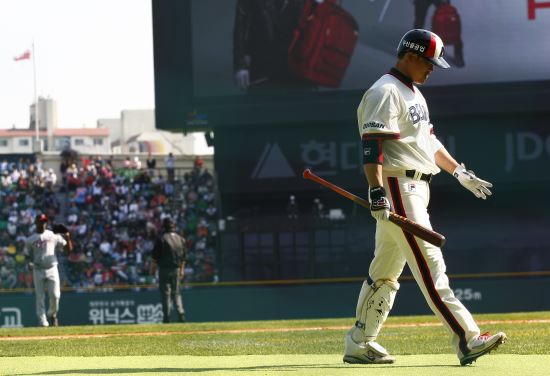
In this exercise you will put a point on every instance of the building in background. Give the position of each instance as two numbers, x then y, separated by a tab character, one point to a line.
47	122
134	132
83	140
51	137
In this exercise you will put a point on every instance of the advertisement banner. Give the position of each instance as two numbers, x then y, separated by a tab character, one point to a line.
17	310
504	150
299	301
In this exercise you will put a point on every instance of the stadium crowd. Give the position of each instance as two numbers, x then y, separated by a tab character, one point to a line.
113	213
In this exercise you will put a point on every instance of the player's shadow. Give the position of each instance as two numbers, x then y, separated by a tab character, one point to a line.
282	367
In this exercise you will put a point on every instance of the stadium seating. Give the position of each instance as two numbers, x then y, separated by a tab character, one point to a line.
113	215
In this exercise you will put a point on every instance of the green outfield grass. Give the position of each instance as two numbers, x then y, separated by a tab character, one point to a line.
287	347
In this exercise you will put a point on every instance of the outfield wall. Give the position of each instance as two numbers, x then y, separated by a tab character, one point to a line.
271	302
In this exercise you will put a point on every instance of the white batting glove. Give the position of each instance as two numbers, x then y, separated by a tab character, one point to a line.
242	78
479	187
379	204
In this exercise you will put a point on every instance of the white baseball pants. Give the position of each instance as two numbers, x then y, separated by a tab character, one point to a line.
46	280
394	248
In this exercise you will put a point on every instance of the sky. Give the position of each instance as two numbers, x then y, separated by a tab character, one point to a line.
94	57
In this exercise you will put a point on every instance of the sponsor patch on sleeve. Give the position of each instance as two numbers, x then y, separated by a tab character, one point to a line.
373	125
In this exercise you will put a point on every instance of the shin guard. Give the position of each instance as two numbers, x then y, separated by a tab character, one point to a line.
373	306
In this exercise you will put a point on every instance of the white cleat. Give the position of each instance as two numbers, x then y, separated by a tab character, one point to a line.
483	344
365	353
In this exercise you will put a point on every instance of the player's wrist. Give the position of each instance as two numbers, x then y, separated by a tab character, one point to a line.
376	193
458	171
379	205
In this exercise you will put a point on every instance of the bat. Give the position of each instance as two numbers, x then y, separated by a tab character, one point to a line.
406	224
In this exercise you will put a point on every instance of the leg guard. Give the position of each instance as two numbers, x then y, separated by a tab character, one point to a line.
373	306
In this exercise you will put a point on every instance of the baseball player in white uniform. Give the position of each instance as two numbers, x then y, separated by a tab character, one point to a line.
401	154
41	251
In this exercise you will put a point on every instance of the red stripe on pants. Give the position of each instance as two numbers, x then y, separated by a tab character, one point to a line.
425	270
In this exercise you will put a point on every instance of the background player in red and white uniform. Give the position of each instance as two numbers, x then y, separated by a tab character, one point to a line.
401	154
41	251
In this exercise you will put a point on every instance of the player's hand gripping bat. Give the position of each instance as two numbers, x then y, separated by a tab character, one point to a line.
406	224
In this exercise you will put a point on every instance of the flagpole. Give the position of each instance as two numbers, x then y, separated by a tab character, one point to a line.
36	123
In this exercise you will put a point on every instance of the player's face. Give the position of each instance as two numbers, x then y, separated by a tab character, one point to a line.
421	69
40	226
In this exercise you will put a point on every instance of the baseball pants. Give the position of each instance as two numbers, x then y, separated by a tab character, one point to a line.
394	248
46	280
169	286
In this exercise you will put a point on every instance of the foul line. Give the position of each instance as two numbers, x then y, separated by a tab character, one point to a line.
252	330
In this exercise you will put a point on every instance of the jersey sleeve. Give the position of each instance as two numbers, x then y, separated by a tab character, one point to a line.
436	144
60	240
378	114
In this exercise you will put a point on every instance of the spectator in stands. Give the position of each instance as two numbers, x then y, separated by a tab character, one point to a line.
198	162
151	164
63	167
50	178
318	209
292	208
95	217
170	164
136	163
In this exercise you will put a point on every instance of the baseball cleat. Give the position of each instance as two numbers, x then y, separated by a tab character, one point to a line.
483	344
365	353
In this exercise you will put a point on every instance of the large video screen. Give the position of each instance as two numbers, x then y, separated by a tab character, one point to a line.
487	41
237	62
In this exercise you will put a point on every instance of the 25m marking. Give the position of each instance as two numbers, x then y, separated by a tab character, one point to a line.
467	294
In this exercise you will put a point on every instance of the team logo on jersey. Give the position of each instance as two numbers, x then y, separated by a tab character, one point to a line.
418	112
374	124
38	243
366	151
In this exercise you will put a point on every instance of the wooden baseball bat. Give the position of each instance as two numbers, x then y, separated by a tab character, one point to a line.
406	224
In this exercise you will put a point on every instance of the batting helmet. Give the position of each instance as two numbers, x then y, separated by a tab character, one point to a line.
426	44
40	218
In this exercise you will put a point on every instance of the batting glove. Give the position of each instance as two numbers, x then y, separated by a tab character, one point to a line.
379	204
479	187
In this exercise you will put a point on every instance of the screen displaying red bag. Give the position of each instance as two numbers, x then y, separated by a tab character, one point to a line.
446	24
323	43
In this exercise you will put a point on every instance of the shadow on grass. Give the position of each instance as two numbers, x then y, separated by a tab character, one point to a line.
288	367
